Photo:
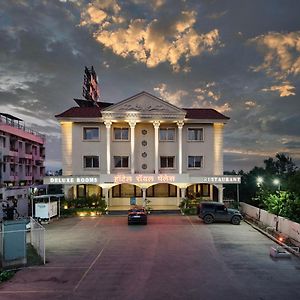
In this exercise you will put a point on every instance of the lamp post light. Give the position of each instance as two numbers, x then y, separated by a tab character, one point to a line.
277	182
259	181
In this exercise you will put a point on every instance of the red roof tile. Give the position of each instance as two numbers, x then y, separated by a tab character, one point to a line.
81	112
204	113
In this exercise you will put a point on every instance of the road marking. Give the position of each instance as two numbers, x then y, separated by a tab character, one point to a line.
92	264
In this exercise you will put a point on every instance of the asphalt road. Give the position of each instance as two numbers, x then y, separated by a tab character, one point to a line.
173	257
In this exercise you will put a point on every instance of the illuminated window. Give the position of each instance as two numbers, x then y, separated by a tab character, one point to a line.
195	161
91	133
167	134
198	190
81	191
162	190
195	134
121	134
121	161
126	190
167	161
91	161
205	190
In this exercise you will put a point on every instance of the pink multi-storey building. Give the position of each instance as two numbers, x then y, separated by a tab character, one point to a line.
22	155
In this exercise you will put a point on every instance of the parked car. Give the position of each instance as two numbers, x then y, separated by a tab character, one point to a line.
211	212
137	215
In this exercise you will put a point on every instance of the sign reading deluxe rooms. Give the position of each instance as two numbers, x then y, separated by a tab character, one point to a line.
141	178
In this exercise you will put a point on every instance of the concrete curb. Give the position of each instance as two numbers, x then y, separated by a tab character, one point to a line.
286	247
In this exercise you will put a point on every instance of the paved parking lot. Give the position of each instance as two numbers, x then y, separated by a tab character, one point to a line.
173	257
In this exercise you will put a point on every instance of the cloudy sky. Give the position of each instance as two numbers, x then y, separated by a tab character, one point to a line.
241	57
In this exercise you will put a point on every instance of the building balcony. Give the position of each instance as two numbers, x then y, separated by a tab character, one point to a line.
13	153
28	155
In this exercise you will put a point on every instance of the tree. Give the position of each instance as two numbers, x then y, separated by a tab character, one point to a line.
270	166
285	165
293	183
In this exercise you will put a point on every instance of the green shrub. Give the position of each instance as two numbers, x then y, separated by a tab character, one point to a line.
6	275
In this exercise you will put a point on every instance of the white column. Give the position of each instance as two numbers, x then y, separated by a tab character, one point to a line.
218	148
132	143
144	196
178	196
220	193
108	130
106	196
183	192
156	127
180	125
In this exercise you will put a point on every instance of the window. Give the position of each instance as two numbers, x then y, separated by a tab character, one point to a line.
198	190
205	190
121	161
81	191
126	190
167	134
91	133
167	161
220	207
162	190
195	134
121	134
195	161
91	161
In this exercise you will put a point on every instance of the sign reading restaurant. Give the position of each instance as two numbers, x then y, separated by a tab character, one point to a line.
142	178
226	179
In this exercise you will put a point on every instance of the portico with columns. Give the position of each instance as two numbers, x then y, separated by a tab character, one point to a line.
147	148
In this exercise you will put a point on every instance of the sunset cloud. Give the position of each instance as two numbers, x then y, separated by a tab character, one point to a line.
281	54
207	92
285	90
151	42
175	98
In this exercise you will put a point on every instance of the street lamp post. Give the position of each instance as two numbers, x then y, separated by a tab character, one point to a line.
277	182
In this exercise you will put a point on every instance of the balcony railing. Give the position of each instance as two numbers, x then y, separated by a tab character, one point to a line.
15	124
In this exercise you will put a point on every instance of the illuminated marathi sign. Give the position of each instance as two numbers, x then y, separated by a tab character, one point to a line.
71	180
143	178
226	179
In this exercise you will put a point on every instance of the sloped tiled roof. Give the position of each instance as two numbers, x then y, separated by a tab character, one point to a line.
95	112
81	112
204	113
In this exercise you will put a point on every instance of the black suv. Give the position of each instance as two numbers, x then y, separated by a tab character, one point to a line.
210	212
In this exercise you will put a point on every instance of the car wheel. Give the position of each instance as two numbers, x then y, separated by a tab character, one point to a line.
145	223
208	219
236	220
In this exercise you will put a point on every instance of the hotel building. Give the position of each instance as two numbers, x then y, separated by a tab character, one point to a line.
142	147
22	155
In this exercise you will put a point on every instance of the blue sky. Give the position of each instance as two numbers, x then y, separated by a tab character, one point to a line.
239	57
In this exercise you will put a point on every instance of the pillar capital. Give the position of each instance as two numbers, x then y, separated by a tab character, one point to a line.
180	124
108	123
156	124
132	123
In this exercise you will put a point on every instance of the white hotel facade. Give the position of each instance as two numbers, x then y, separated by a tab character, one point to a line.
142	147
